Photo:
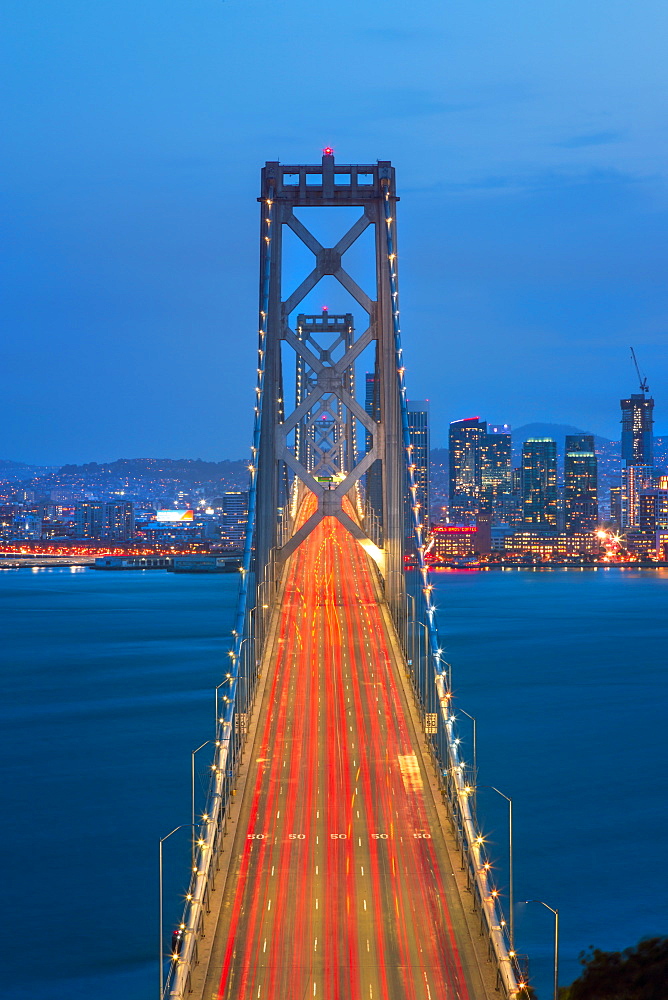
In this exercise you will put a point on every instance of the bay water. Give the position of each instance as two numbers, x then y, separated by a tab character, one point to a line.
108	686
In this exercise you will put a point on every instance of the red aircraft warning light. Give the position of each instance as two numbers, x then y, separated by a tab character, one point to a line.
328	151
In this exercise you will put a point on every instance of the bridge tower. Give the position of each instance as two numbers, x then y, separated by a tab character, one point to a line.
316	438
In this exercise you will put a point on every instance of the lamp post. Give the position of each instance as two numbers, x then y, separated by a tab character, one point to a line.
162	840
475	747
556	941
426	644
409	615
216	690
192	790
449	666
510	862
244	675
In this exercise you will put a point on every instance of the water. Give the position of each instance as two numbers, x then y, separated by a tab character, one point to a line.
565	672
108	686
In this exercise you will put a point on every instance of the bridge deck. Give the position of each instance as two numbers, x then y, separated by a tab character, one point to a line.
340	885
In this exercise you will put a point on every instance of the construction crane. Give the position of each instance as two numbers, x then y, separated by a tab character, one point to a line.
641	378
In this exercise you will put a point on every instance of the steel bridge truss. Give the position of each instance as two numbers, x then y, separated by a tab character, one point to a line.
317	440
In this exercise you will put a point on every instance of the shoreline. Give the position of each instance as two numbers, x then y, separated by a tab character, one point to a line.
485	567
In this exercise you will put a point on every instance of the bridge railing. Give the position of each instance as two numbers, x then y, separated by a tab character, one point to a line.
432	679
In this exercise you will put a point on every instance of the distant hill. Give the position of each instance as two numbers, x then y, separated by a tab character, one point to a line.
20	471
191	470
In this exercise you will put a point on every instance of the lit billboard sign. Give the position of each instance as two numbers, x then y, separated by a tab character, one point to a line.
174	516
453	529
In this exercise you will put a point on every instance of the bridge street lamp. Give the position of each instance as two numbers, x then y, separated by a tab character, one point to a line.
556	942
161	895
419	656
192	791
510	862
475	748
243	675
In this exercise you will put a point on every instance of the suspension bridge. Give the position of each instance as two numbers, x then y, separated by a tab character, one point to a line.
339	854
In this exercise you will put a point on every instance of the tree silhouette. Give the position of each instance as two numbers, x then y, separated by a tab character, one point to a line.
638	973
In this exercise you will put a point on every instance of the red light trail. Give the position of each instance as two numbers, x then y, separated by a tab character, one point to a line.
338	884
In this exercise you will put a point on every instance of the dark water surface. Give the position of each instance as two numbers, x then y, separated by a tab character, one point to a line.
108	684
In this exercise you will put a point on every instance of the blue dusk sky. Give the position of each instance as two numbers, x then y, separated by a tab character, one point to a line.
530	145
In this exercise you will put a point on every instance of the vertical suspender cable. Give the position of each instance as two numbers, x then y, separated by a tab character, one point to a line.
506	961
242	603
408	448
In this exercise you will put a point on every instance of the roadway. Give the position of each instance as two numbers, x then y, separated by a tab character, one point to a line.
340	885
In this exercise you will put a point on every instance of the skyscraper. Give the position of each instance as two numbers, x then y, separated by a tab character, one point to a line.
234	508
496	471
418	429
580	473
465	441
539	483
634	479
637	429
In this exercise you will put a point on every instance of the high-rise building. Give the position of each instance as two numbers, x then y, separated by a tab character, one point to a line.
99	520
581	487
637	429
539	483
653	507
418	430
496	471
465	442
635	478
234	519
616	505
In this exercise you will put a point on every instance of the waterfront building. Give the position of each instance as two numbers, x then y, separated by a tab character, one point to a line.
451	541
539	483
548	544
99	520
653	507
637	429
581	488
